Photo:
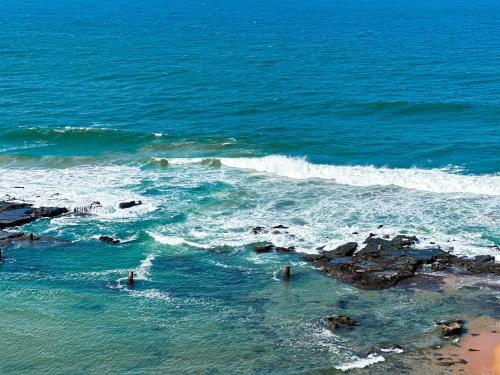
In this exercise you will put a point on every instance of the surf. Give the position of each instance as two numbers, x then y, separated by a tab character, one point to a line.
428	180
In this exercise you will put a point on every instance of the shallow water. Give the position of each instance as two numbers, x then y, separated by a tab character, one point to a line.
327	117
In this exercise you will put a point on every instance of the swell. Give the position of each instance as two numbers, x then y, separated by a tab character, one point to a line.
70	134
430	180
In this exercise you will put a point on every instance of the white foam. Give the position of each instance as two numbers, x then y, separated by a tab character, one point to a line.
78	187
361	362
175	241
151	294
431	180
143	272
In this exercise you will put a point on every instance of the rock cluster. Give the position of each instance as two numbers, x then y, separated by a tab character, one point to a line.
383	263
13	214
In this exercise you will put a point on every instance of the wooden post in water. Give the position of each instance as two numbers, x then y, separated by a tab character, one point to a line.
1	256
286	273
130	280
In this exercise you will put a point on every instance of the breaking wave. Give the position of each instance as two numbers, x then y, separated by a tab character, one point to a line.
431	180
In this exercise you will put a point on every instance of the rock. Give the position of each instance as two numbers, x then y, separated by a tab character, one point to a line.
402	240
16	217
108	239
13	214
380	226
281	249
386	236
354	233
451	327
345	250
8	235
124	205
370	236
50	212
335	321
267	248
280	227
259	230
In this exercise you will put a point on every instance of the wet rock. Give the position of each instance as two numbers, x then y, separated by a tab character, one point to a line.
49	212
382	263
281	249
345	250
370	236
401	241
13	214
109	240
267	248
280	227
451	327
335	321
380	226
130	204
16	217
9	235
259	230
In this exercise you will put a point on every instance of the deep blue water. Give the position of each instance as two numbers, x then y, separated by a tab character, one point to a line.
327	116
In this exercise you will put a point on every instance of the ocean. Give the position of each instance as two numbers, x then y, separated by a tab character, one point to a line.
329	117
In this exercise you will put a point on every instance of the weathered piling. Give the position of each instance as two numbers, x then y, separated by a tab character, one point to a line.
130	280
286	273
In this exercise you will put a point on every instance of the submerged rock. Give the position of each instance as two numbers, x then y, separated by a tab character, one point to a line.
269	247
335	321
124	205
108	239
259	230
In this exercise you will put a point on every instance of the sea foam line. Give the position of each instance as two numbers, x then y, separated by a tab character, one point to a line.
361	362
431	180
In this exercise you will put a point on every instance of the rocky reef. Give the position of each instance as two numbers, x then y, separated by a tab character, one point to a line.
382	263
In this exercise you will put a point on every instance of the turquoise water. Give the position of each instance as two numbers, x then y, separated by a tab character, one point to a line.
330	117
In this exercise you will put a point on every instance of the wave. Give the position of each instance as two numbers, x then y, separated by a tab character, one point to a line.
430	180
175	241
144	270
361	362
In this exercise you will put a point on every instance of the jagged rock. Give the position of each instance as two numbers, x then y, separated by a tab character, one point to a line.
281	249
335	321
383	263
267	248
345	250
49	212
370	236
108	239
451	327
124	205
280	226
259	230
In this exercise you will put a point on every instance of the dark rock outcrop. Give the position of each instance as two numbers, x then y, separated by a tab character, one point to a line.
269	247
335	321
124	205
108	239
14	214
451	327
259	230
383	263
